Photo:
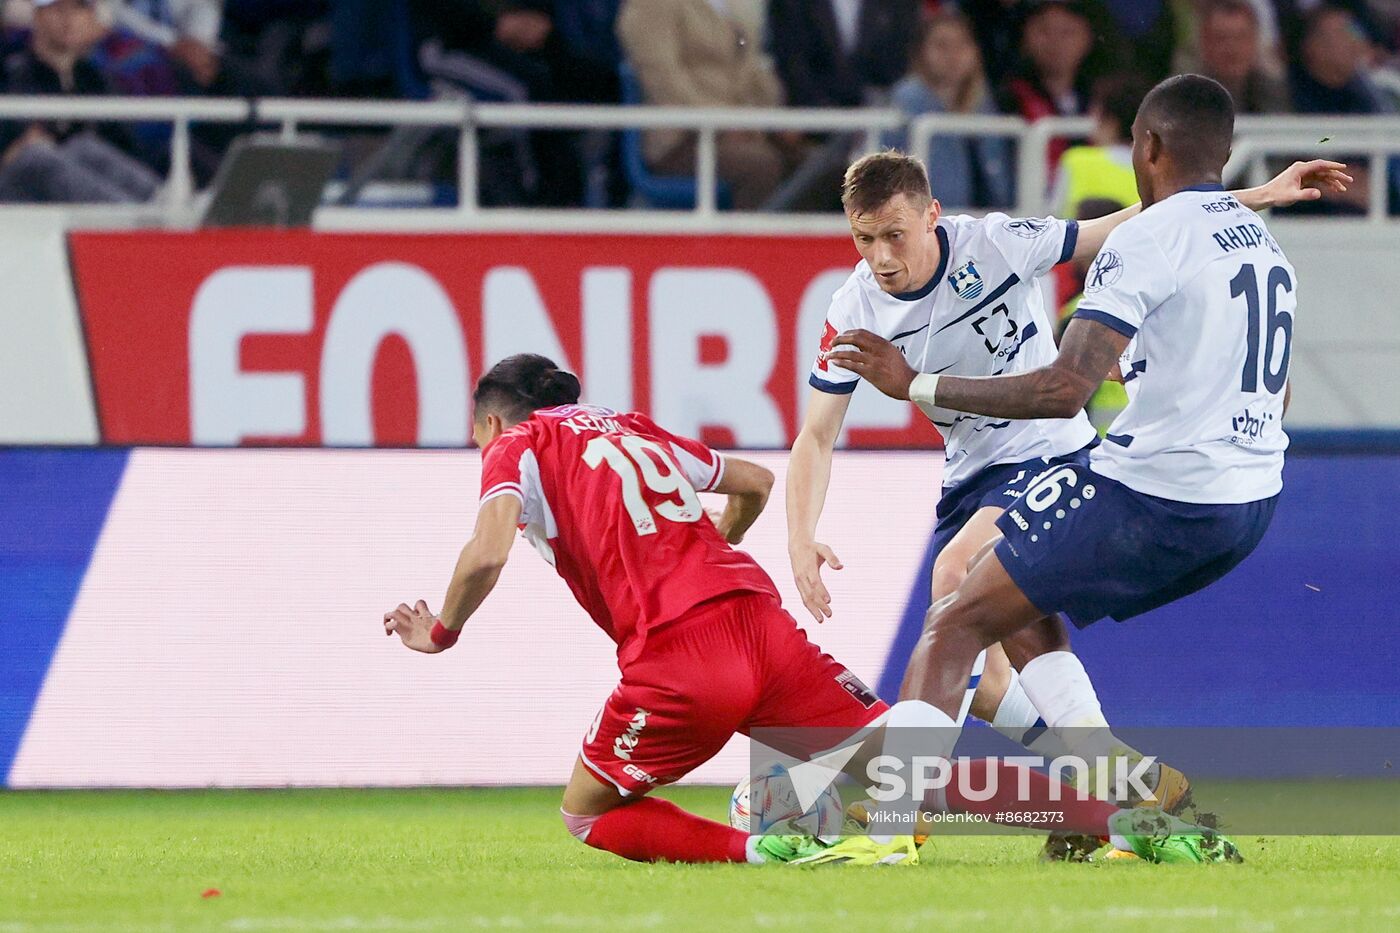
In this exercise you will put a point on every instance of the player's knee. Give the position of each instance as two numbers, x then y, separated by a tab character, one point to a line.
947	575
578	826
954	564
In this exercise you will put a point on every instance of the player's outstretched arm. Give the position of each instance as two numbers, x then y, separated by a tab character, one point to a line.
748	486
478	568
1088	352
809	473
1093	233
482	560
1301	181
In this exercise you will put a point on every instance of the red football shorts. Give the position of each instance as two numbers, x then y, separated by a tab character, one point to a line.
732	664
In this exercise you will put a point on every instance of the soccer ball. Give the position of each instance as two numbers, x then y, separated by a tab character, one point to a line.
759	802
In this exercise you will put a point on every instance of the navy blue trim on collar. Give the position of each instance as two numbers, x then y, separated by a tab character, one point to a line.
1106	319
832	388
1208	186
932	283
1071	241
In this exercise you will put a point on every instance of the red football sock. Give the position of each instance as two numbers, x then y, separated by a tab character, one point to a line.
1087	815
654	830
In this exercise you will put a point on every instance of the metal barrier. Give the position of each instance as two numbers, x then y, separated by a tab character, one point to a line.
1256	138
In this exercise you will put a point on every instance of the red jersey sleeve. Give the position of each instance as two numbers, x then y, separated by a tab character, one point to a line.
703	467
502	468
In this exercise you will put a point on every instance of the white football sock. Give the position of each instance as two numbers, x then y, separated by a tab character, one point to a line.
1018	719
751	851
914	728
1058	685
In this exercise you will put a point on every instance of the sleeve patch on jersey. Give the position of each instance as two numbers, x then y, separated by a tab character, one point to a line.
1108	320
824	349
1071	241
1122	440
1027	227
1105	272
831	388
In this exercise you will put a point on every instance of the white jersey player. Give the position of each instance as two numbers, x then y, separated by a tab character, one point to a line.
1197	300
957	295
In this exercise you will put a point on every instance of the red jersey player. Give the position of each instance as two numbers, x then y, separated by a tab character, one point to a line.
703	643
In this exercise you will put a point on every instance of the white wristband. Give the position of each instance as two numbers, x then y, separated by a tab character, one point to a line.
923	389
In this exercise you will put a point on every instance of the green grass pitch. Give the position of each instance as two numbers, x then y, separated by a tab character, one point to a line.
500	860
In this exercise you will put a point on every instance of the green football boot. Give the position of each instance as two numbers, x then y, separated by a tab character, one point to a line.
785	842
1171	793
1159	837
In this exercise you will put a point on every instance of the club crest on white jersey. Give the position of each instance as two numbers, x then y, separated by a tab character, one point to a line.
966	282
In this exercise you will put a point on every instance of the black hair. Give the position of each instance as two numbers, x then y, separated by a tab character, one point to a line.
520	385
1195	119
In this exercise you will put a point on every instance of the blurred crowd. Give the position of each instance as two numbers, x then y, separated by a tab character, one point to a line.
1028	58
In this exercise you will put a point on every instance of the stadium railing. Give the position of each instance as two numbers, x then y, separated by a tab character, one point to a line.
1257	138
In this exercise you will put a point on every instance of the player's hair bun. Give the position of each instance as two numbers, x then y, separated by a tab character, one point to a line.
557	387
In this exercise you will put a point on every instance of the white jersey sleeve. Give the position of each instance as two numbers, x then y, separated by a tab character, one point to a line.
844	314
1032	246
1130	277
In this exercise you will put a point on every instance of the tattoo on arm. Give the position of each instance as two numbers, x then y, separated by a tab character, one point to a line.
1090	351
1060	390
